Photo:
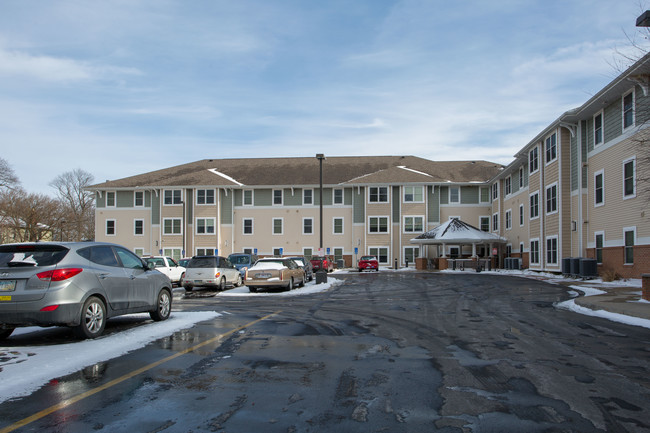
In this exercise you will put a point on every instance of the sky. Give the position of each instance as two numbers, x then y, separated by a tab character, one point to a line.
123	87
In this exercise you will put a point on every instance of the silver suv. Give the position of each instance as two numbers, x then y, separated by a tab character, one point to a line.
211	271
78	284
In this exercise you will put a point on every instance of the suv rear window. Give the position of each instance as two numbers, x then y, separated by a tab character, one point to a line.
31	255
239	259
203	262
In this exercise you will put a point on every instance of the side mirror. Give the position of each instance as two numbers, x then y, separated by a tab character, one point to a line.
151	266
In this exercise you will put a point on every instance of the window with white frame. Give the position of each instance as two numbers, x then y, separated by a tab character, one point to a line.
509	219
278	197
138	199
247	226
174	253
600	242
629	235
551	199
248	197
139	252
484	223
413	224
337	226
338	253
410	254
172	226
484	194
454	194
628	110
551	148
138	227
551	250
307	252
172	197
110	199
378	224
629	178
205	226
278	226
205	196
508	185
599	188
111	227
277	251
495	222
205	251
307	196
521	177
380	252
378	194
337	196
413	194
533	160
521	215
495	190
534	251
307	226
598	128
248	250
534	205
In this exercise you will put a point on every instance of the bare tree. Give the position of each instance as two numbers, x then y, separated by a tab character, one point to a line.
8	178
28	217
78	222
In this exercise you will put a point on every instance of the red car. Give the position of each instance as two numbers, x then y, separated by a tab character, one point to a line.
368	263
328	263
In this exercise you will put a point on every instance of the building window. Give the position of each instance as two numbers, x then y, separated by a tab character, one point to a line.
248	197
598	129
172	197
413	194
521	215
205	251
534	205
521	177
411	253
551	199
174	253
551	148
172	226
508	185
381	253
307	196
629	235
495	190
495	222
138	227
508	219
600	241
205	226
205	196
139	252
110	227
138	199
484	223
337	225
599	188
247	225
338	196
413	224
277	197
307	226
534	251
378	194
307	252
338	254
378	224
628	110
485	194
277	226
629	178
533	160
454	194
110	199
551	251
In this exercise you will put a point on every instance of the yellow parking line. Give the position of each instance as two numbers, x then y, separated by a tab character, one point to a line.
73	400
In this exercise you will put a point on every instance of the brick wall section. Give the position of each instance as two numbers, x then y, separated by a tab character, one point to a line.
614	257
646	287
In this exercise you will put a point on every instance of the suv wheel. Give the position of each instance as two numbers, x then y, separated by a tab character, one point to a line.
92	320
163	306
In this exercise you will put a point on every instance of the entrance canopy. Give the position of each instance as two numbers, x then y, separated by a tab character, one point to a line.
457	232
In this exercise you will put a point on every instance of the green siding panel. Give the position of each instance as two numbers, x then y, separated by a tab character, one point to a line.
227	202
100	199
155	208
347	196
444	195
396	204
294	199
613	126
433	207
469	194
263	197
124	199
238	197
358	207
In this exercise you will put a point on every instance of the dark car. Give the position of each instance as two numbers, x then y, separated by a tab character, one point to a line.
306	265
242	262
76	284
368	263
328	263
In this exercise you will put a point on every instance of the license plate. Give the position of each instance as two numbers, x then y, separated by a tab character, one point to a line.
7	285
5	298
262	275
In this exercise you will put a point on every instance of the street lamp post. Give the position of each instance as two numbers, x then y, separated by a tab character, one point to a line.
320	158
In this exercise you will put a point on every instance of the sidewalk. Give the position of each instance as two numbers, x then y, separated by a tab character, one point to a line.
620	300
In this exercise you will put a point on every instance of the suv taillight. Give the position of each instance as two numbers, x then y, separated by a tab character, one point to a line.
58	274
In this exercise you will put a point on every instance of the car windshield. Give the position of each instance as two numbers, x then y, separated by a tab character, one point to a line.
158	262
368	258
299	262
239	260
31	255
203	262
270	264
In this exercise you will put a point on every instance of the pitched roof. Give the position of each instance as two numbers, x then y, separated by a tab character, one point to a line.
337	170
457	232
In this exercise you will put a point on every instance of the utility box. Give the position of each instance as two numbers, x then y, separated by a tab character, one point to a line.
321	276
588	268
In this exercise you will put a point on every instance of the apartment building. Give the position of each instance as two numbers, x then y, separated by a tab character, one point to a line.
574	190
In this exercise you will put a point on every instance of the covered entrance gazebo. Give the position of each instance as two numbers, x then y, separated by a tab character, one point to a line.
456	233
